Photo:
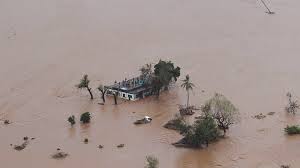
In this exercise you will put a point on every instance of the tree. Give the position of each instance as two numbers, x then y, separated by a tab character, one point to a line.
84	83
202	132
164	72
152	162
85	117
103	91
146	70
71	119
222	110
293	105
187	85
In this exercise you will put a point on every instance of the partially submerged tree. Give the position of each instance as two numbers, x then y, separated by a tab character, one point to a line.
293	105
151	162
222	110
164	72
188	86
85	117
71	119
84	83
146	71
203	132
103	91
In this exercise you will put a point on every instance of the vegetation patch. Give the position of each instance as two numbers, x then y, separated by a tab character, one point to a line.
292	130
151	162
203	132
71	120
177	124
85	117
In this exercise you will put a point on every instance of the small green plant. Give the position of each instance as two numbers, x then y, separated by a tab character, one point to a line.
152	162
85	117
71	119
292	130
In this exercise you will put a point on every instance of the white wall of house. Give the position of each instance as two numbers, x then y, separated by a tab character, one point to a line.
125	95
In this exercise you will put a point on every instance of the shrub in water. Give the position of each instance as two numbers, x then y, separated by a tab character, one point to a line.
71	119
152	162
292	130
85	117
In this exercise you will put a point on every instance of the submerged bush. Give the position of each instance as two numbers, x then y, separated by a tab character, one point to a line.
152	162
292	130
203	132
178	124
71	119
85	117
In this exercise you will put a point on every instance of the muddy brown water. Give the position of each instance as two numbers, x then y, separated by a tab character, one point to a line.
232	47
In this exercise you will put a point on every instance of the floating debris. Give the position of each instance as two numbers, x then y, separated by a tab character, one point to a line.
60	155
284	166
86	141
187	110
25	138
260	116
100	146
121	146
6	122
271	113
145	120
21	147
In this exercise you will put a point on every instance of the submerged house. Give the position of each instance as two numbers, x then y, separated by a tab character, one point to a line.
132	89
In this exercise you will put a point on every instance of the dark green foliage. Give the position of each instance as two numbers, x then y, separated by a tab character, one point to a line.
164	72
292	130
71	119
203	131
85	117
152	162
84	83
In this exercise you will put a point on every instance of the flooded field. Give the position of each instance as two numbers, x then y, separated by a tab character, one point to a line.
231	47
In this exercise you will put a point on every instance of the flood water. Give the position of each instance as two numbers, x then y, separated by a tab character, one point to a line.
231	47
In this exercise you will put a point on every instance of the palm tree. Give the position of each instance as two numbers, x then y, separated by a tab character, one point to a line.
84	83
187	85
103	90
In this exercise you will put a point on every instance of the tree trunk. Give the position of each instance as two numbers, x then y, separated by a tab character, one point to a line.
103	97
188	98
115	98
91	94
224	131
